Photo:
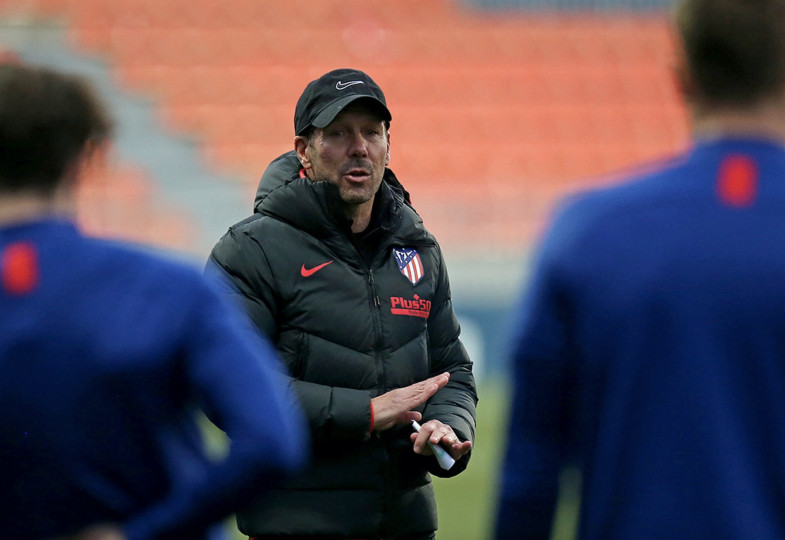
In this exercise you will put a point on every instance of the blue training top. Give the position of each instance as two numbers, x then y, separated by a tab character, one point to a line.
105	352
650	348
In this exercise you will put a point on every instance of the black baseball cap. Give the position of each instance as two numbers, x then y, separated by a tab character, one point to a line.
324	98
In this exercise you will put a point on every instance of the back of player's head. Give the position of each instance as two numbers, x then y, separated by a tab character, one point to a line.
734	49
46	120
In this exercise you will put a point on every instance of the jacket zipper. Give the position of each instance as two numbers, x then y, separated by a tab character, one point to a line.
375	311
376	302
382	384
377	323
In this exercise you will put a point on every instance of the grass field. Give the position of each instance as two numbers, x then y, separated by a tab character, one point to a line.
467	502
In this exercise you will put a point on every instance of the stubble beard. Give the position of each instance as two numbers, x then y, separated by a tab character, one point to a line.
353	195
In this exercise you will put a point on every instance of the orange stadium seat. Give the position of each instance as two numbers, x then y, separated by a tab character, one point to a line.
538	102
118	201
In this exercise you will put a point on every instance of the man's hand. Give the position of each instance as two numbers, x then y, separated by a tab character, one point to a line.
438	433
395	407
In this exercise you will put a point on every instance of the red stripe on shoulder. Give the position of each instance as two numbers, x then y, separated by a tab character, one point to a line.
737	183
19	272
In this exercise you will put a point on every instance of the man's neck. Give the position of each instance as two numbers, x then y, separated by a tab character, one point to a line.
360	214
766	120
23	207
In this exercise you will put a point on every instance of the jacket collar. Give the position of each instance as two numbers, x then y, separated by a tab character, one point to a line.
315	207
286	168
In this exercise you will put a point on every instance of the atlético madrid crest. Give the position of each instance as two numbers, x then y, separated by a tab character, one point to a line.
409	263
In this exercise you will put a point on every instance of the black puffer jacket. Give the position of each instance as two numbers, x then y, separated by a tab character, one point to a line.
350	328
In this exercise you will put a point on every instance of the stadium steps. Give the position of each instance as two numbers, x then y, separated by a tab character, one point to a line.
179	204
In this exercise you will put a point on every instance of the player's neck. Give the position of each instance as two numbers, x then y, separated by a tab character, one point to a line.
24	207
766	120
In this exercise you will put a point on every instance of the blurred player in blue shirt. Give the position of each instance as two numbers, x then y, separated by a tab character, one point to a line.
106	352
650	344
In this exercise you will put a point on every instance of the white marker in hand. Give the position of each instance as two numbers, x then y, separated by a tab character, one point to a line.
444	459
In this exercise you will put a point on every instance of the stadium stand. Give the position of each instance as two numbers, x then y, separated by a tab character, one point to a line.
152	186
497	113
117	202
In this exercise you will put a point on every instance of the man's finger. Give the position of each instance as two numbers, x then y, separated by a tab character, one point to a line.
443	433
460	449
438	380
423	390
413	415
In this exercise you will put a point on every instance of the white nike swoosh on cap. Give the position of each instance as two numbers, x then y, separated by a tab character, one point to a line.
344	85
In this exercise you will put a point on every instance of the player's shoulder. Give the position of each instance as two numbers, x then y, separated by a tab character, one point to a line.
614	203
144	266
625	191
146	285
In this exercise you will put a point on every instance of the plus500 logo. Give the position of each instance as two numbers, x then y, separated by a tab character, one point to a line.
417	307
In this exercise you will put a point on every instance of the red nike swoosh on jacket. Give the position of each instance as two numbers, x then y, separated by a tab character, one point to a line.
308	272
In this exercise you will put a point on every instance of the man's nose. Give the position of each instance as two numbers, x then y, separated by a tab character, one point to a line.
359	146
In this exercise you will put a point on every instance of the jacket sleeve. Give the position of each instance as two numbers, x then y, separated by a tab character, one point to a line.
232	373
455	404
333	413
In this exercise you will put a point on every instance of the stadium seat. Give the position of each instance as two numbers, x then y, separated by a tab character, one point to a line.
542	102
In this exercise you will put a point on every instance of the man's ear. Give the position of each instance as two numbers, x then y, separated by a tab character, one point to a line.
387	157
301	147
90	161
682	78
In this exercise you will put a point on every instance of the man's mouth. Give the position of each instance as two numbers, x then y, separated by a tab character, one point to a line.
357	175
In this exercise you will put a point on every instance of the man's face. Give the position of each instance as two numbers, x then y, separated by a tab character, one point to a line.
351	153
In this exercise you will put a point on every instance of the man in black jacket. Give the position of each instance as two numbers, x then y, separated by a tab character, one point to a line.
336	267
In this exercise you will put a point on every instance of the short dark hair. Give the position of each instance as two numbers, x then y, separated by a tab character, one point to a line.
46	120
735	49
